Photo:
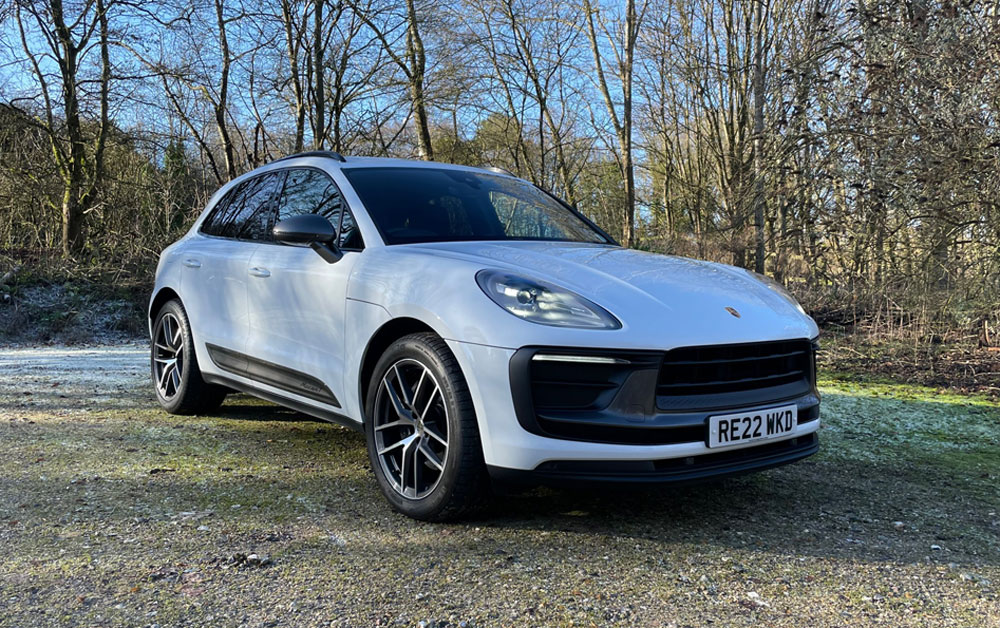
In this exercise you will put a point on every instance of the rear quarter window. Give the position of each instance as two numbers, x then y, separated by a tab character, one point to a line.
245	213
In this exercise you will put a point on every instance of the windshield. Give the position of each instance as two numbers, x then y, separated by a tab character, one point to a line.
411	205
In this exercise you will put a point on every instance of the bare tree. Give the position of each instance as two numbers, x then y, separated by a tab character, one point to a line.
622	35
386	23
293	21
70	41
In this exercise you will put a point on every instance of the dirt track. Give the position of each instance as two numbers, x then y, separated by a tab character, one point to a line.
74	376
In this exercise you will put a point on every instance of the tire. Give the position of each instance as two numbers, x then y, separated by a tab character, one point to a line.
436	418
177	380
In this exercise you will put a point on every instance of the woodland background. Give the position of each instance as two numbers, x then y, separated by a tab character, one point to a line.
847	148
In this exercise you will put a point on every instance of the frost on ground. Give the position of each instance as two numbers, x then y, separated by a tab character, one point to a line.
113	513
73	378
72	314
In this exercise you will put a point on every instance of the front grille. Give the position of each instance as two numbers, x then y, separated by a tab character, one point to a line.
719	376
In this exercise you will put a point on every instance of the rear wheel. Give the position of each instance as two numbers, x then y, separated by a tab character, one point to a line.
423	439
177	380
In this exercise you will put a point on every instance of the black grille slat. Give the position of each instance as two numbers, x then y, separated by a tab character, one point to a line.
746	380
549	382
729	361
718	370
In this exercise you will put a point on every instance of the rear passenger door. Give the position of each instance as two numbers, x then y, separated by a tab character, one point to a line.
297	299
214	284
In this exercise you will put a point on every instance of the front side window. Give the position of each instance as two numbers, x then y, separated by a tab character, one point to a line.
309	191
410	205
245	212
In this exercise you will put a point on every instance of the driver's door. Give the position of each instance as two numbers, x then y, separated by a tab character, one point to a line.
297	299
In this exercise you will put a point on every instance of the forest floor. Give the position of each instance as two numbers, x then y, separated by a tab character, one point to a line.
115	513
959	367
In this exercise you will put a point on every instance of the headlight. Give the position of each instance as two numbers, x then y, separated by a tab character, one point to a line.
777	287
543	303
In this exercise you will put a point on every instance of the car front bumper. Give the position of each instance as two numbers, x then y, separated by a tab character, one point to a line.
685	470
513	453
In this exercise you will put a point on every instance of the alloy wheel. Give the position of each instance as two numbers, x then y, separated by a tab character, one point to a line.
168	356
411	429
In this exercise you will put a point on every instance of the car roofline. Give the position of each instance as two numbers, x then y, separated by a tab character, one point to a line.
385	162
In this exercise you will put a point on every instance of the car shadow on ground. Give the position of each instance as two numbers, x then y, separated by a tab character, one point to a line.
246	408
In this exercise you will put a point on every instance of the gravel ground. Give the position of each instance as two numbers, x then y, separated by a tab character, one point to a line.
113	513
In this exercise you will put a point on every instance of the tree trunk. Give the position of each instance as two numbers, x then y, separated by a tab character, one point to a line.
220	107
319	90
418	63
293	40
625	136
623	124
758	136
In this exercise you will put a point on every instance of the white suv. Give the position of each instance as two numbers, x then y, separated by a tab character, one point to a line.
478	331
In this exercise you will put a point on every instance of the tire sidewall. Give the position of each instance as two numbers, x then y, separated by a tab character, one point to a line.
189	365
413	348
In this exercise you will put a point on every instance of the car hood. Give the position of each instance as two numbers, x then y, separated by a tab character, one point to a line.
628	282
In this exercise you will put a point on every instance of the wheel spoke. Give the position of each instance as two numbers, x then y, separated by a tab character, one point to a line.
420	383
397	405
433	434
411	467
167	331
403	388
163	378
430	400
403	442
398	423
431	456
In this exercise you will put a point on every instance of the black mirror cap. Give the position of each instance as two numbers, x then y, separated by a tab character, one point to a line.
305	229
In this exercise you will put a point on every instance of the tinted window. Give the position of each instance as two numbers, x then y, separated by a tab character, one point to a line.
309	191
245	213
434	205
350	235
215	221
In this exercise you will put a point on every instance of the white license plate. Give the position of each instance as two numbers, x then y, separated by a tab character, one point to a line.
753	425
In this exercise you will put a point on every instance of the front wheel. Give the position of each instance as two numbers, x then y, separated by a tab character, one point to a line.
179	386
423	440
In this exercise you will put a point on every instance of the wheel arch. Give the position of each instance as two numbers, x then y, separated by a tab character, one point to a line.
390	331
158	301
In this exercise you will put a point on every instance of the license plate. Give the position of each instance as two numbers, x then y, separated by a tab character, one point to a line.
754	425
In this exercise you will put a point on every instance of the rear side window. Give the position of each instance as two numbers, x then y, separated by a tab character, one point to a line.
245	212
309	191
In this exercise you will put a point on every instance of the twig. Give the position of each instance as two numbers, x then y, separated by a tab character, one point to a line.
7	276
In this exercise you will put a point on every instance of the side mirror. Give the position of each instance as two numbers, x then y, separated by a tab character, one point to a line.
310	230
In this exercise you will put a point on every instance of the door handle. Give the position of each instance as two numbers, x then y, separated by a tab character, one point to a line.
257	271
192	263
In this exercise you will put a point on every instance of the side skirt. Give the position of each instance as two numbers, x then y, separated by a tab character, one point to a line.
298	406
287	379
